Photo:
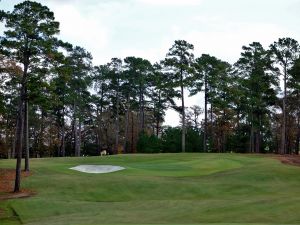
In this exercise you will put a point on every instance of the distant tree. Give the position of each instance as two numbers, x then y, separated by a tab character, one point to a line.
80	64
209	74
59	97
294	98
285	52
101	99
138	71
161	95
258	85
171	139
114	83
193	117
179	66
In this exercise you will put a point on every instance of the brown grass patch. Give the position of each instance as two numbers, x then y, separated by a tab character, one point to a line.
290	159
7	179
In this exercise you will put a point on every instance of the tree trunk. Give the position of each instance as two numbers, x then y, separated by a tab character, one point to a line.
79	139
205	115
19	129
76	136
26	133
99	116
126	126
7	135
13	152
132	133
19	140
224	132
76	131
297	145
117	125
283	131
252	137
117	133
140	119
41	134
143	112
157	127
183	114
257	142
63	143
251	146
157	115
99	131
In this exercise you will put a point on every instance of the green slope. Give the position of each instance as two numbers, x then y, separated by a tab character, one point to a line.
202	189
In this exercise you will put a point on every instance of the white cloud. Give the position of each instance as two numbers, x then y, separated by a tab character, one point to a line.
83	30
227	43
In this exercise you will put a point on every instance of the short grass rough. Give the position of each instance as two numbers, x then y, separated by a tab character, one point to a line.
204	189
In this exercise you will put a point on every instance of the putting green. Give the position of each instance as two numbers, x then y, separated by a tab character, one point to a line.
220	189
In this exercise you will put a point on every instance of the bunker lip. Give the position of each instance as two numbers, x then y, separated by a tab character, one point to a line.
97	168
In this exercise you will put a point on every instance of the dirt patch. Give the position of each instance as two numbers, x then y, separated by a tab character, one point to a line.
7	179
290	159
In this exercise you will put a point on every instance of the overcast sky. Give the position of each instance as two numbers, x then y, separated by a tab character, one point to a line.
148	28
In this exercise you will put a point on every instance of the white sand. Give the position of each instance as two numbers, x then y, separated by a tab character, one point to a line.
97	168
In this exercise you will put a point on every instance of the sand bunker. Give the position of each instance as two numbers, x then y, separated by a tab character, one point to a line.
97	168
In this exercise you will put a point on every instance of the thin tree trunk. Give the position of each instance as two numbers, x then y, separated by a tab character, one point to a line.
224	132
238	120
13	152
297	145
132	132
26	133
117	123
126	126
257	142
100	122
251	148
183	114
75	130
19	129
157	127
99	130
205	115
19	140
140	119
76	137
143	112
41	136
117	132
283	131
63	143
7	138
251	139
79	139
157	115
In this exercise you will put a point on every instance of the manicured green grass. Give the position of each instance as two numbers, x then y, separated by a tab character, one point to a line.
206	189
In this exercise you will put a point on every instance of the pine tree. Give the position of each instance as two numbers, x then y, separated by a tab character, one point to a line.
179	66
285	52
28	39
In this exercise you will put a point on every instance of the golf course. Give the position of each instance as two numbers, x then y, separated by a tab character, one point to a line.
219	189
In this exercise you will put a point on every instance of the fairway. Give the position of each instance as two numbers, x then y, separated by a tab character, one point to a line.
216	189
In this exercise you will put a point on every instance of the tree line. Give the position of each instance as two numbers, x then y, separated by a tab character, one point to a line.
55	102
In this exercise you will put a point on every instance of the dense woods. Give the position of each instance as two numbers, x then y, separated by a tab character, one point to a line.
55	102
